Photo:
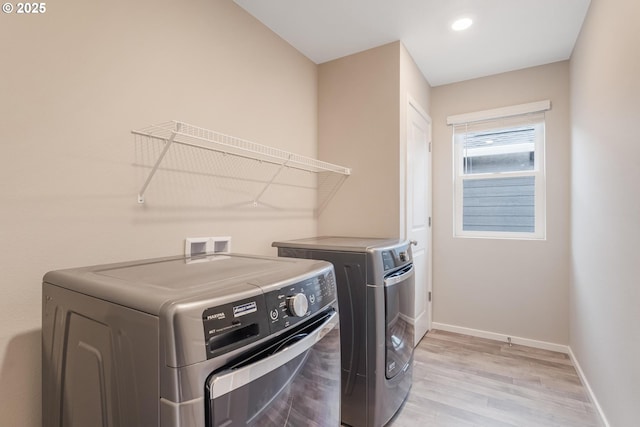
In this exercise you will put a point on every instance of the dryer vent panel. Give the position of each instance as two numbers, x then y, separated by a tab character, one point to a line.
195	246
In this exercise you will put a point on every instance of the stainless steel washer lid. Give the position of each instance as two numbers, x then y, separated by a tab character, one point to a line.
148	285
339	243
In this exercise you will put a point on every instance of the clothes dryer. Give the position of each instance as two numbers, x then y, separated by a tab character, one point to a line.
375	280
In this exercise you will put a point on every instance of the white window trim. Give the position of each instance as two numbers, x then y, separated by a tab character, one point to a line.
499	113
540	187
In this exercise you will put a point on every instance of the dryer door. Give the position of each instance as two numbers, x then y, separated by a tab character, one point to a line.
399	328
294	381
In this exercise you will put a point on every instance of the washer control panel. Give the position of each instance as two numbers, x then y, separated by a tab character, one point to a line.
291	304
235	324
298	304
229	326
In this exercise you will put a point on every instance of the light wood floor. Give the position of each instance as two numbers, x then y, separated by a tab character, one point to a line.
465	381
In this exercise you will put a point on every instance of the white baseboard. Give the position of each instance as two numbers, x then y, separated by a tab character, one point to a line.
501	337
592	396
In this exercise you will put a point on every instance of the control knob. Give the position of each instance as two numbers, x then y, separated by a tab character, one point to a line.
298	305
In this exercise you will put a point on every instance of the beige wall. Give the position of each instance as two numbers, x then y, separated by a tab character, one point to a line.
412	85
605	266
362	101
358	122
517	288
74	82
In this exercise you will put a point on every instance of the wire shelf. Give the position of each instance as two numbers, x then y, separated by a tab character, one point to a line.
176	132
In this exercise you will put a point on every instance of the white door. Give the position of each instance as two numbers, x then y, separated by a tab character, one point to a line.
418	213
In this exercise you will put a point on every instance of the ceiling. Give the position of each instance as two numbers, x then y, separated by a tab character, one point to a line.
506	35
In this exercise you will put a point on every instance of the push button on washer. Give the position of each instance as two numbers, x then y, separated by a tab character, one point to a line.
274	314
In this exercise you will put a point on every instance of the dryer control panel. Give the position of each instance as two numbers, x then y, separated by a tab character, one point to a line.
229	326
396	257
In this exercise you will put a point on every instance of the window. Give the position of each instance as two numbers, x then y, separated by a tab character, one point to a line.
499	172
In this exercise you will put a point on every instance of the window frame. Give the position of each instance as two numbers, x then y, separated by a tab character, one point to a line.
538	172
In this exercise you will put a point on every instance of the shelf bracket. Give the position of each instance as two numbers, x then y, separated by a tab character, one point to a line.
167	145
275	175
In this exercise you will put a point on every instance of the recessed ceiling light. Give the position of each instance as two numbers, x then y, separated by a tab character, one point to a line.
461	24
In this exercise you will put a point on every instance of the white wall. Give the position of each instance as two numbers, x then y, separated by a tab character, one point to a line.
74	82
517	288
605	265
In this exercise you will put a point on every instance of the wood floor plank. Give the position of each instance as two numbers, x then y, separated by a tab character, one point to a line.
464	381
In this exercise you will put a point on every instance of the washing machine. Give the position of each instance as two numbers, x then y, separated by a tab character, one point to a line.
375	281
216	340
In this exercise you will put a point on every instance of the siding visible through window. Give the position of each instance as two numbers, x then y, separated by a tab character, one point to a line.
499	204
